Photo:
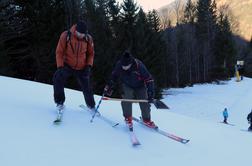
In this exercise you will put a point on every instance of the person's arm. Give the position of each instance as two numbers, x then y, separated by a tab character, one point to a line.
148	80
90	51
60	50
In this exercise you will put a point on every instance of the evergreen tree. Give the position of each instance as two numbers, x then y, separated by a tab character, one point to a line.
189	13
189	38
154	20
224	48
103	40
250	43
128	18
114	10
150	46
205	31
30	43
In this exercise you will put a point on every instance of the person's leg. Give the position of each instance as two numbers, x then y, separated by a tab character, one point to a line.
128	93
141	93
59	80
225	120
84	81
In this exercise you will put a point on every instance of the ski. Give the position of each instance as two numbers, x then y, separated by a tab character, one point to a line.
133	138
164	133
59	115
98	115
228	124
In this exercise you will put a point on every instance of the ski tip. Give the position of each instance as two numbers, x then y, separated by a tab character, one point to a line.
185	141
56	122
136	144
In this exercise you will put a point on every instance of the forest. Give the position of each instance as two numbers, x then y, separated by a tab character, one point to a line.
200	48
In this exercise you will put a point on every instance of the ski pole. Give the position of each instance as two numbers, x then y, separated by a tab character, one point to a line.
96	109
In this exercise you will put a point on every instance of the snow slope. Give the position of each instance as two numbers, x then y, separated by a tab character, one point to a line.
29	138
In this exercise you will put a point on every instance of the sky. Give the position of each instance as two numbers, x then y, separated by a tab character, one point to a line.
151	4
29	137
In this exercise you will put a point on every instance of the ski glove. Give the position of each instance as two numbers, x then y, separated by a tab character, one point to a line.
87	69
60	70
150	96
108	91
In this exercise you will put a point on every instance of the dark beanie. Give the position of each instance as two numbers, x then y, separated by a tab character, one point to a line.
81	27
126	58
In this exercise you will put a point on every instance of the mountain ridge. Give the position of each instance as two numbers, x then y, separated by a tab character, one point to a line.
240	11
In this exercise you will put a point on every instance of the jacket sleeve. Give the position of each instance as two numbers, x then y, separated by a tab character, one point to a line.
60	50
90	51
147	78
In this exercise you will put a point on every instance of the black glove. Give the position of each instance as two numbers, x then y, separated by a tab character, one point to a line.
108	91
88	69
60	70
150	97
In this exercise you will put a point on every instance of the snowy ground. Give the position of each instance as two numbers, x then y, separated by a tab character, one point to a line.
29	138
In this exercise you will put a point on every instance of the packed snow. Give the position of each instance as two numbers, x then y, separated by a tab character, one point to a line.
29	137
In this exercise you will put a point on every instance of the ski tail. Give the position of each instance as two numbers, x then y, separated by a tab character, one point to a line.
133	138
164	133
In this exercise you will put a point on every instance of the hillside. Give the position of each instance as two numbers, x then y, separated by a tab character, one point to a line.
241	11
28	136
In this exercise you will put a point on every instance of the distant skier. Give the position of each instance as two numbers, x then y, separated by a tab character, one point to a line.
225	115
136	82
74	57
240	68
249	118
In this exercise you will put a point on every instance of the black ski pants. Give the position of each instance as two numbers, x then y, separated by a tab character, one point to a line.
83	78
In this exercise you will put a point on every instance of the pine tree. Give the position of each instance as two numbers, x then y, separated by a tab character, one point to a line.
30	44
128	20
205	31
150	47
189	13
250	43
154	20
189	38
224	49
114	10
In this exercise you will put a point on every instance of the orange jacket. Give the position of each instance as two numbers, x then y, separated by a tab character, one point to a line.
77	54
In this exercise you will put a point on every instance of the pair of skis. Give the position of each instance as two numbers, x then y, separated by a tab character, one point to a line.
133	138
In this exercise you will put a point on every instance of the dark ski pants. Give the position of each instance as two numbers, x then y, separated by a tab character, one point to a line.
225	120
60	78
140	93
